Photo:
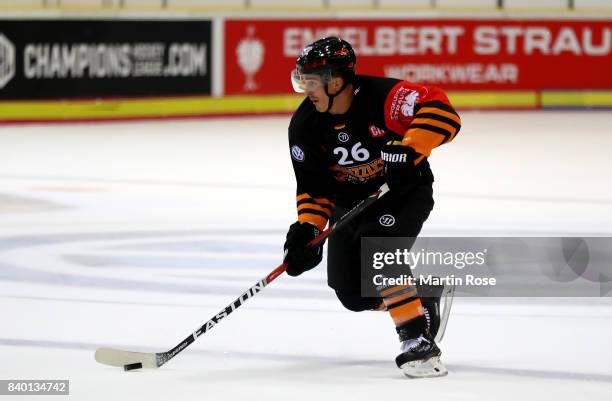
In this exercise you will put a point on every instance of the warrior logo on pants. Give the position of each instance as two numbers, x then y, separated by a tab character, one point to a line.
386	220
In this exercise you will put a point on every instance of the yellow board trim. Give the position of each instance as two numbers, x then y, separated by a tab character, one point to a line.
65	110
155	107
577	98
493	99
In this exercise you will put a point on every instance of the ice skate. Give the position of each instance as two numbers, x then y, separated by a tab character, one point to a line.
420	357
430	298
437	302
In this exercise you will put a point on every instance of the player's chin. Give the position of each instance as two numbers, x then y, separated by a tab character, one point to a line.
321	108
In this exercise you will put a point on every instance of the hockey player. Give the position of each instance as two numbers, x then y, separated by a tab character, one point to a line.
352	134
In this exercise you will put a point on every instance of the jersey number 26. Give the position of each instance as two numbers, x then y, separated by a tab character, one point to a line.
358	154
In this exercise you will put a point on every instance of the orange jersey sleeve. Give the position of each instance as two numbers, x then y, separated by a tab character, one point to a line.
423	115
316	211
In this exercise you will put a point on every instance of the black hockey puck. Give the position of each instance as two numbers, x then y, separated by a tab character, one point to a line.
132	366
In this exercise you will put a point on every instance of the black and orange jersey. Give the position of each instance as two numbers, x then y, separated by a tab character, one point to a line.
336	158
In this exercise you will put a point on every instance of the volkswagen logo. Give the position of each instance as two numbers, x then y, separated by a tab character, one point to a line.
297	153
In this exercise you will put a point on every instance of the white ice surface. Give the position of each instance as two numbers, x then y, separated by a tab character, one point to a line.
134	234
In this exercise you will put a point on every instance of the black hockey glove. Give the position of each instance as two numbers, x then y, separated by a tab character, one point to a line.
299	257
400	171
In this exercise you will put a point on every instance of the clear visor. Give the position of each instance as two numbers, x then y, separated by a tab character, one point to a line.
308	82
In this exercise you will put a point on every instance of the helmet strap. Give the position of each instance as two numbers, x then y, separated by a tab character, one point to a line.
331	97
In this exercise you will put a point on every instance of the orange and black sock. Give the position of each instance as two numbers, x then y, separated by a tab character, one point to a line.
405	308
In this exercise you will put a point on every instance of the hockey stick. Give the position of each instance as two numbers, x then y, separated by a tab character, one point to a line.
135	360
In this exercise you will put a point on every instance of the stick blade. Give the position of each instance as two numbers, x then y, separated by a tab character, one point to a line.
119	358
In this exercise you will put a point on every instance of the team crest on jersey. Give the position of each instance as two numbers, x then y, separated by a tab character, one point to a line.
403	102
407	108
360	174
386	220
297	153
343	137
376	132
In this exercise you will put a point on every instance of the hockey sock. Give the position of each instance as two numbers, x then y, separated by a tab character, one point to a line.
403	304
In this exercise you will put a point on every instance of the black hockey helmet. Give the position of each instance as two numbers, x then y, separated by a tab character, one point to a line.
328	55
320	61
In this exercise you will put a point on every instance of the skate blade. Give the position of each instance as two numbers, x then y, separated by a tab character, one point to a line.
431	367
447	297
